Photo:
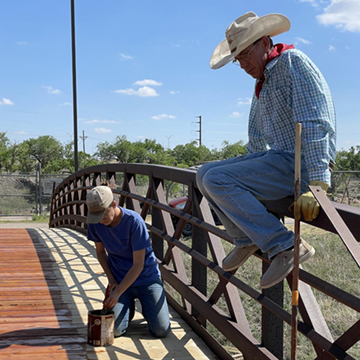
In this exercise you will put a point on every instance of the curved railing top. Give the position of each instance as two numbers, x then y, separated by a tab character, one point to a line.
182	176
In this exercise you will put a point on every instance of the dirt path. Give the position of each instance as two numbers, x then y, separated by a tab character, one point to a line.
23	225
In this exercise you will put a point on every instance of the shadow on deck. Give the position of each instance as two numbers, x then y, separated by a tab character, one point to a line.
50	279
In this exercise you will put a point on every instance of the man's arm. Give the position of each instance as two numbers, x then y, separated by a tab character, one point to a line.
313	108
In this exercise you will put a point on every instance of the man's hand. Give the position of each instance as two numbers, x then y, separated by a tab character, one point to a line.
307	204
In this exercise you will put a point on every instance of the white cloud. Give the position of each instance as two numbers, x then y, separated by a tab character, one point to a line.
21	42
174	92
20	133
100	122
236	114
126	92
163	116
311	2
144	91
331	48
6	102
67	104
102	130
146	82
304	41
126	57
246	101
343	14
51	90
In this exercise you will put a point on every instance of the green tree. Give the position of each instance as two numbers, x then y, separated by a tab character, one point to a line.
25	163
4	151
190	154
345	161
13	155
45	149
120	150
348	160
230	150
149	151
67	162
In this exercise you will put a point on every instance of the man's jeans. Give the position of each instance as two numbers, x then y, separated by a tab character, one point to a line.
235	187
154	308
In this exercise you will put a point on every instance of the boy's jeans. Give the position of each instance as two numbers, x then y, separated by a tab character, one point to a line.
154	308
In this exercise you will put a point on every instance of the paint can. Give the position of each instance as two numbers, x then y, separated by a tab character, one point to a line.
101	327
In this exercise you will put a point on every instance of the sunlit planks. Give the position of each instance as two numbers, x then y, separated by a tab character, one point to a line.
33	321
50	279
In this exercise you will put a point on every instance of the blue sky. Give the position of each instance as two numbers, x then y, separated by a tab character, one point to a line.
143	68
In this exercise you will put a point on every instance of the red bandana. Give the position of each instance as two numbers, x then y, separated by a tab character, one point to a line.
278	50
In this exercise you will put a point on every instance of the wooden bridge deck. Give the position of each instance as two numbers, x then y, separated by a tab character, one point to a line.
49	280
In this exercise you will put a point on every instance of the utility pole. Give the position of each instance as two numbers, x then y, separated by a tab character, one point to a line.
83	138
199	131
168	137
76	158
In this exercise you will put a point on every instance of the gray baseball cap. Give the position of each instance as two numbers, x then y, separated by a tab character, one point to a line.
98	199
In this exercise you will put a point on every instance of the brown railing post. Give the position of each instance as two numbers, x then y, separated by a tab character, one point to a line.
272	327
157	241
199	243
52	204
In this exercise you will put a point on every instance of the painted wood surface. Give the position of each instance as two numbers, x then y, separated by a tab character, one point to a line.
50	280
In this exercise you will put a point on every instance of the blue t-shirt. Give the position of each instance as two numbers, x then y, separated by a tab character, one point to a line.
121	241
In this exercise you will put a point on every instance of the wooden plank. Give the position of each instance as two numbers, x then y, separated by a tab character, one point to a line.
30	325
45	297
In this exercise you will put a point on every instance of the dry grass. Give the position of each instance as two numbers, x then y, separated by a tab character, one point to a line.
331	262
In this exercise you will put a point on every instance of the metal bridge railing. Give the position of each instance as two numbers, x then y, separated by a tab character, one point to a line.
192	299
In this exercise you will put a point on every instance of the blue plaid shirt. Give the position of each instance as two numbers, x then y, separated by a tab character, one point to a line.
294	91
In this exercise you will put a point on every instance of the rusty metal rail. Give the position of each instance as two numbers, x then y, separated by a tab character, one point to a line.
196	306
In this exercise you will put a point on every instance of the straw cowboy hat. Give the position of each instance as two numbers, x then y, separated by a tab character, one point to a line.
243	32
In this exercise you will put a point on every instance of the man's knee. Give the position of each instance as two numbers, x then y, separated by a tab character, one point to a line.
210	178
200	174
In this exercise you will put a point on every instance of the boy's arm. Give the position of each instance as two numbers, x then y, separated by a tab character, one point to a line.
104	262
130	277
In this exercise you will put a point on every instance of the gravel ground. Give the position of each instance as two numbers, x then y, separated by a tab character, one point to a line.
23	225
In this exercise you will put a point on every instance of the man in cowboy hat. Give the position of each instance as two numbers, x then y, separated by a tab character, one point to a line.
289	88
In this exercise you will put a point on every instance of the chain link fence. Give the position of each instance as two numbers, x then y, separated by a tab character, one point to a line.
27	194
345	187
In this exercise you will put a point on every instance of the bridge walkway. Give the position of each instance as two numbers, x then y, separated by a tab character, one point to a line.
50	280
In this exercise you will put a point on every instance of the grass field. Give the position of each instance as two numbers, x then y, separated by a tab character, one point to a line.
331	262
